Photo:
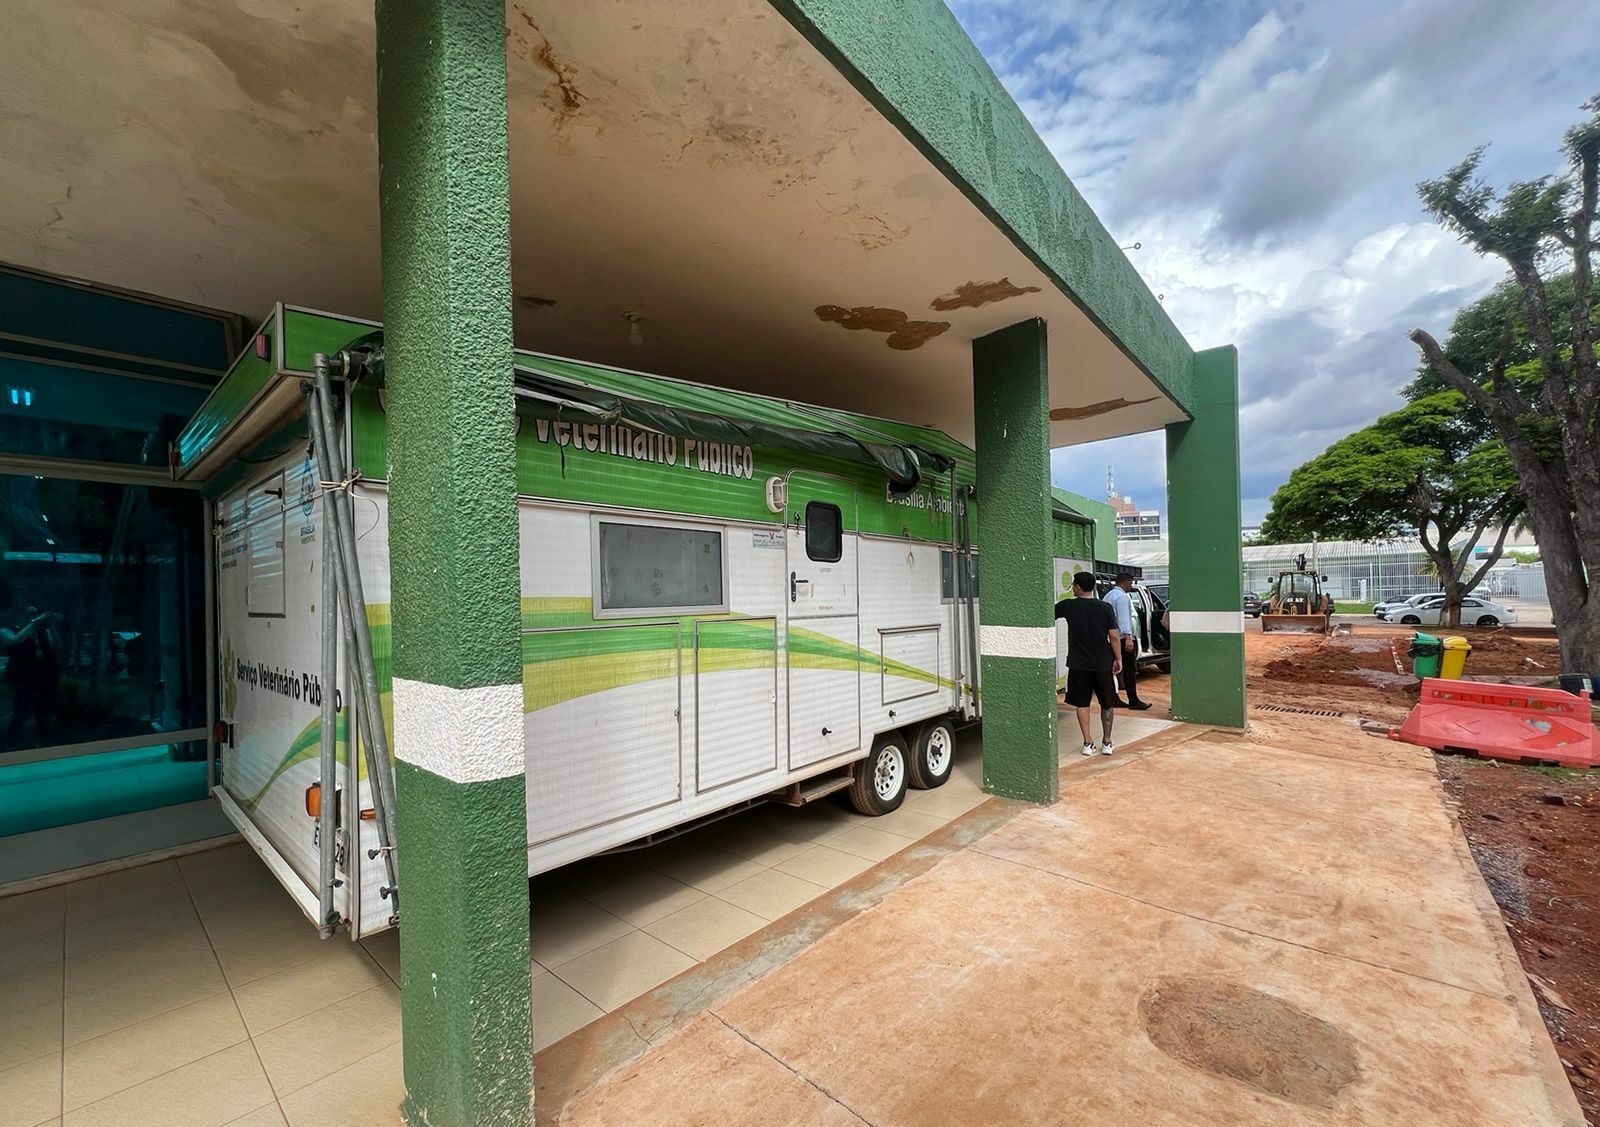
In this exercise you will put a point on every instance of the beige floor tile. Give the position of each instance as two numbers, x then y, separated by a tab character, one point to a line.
623	969
153	915
24	952
268	1116
367	1093
763	844
771	894
219	866
139	997
30	1093
704	928
947	804
32	912
282	997
182	945
309	1048
812	823
572	930
642	896
912	824
130	982
257	954
825	866
207	1093
161	874
558	1009
960	786
873	844
384	947
135	1053
30	1014
231	916
701	866
122	891
225	884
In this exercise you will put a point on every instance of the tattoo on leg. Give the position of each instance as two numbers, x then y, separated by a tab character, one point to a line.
1106	717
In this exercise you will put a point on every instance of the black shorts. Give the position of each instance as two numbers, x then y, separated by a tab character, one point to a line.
1084	685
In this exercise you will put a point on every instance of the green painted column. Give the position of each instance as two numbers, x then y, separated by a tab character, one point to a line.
1207	561
461	806
1016	630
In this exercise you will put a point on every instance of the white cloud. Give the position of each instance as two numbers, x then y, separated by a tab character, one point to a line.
1265	158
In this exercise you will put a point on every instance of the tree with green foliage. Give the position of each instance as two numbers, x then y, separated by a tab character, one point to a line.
1425	470
1544	408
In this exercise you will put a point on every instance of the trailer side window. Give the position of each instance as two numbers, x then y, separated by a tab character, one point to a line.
652	567
264	592
824	532
951	573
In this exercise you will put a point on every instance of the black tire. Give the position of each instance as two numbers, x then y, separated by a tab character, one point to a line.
1488	620
879	786
1411	620
933	754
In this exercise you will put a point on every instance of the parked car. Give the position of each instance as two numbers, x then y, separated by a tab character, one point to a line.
1252	604
1381	609
1474	612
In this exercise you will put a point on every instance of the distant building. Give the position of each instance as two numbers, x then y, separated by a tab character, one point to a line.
1133	523
1139	524
1362	571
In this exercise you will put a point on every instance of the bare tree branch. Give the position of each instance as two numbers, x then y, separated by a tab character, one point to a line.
1494	554
1499	412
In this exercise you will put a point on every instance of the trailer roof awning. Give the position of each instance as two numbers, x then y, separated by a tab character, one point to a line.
541	395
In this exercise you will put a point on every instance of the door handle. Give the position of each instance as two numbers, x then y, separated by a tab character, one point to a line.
793	586
827	731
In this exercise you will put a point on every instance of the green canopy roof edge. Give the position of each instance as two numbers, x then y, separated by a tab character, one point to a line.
915	64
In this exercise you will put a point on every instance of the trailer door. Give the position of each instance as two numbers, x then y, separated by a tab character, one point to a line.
823	643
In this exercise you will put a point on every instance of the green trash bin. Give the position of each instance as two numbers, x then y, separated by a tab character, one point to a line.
1426	651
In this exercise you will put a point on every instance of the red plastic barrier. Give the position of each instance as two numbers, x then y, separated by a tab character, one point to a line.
1503	722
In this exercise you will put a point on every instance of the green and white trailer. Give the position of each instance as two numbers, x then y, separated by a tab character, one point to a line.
726	599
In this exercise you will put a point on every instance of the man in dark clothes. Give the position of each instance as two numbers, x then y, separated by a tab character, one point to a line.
1094	658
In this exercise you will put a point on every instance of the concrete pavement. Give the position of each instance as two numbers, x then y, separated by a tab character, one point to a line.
1279	928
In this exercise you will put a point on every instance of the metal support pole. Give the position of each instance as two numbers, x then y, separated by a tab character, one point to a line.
374	741
382	782
327	917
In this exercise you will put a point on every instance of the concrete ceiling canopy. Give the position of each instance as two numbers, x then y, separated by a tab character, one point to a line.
808	198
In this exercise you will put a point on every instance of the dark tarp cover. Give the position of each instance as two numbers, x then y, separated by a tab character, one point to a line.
544	396
541	395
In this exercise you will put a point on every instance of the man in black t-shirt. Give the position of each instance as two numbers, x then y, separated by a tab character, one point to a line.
1094	657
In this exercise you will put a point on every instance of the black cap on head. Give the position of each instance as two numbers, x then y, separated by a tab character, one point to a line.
1083	581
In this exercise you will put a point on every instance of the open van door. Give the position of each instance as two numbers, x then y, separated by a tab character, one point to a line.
823	633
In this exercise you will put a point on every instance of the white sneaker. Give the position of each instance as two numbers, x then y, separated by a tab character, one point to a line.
1105	749
1088	749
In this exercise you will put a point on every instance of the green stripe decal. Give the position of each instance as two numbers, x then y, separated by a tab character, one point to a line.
569	661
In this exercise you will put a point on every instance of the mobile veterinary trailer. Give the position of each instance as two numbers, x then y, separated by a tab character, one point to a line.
726	598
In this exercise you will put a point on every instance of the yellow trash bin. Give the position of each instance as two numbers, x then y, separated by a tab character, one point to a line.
1454	660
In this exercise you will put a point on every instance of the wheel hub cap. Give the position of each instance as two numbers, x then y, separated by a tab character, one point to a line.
887	772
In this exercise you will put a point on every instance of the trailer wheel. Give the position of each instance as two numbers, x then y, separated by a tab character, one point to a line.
880	782
933	755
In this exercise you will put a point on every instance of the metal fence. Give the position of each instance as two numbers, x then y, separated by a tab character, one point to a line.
1370	573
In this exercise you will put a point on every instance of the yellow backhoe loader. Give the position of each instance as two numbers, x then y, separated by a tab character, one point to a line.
1298	604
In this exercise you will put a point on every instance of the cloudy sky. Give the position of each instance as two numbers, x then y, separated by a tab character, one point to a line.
1265	155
